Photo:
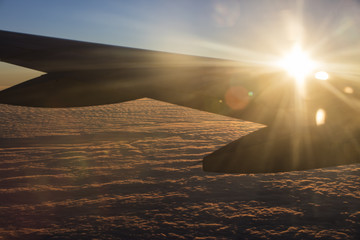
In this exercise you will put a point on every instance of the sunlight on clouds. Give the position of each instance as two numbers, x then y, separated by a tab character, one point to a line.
94	169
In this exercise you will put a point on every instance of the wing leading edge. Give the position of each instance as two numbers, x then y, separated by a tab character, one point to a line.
85	74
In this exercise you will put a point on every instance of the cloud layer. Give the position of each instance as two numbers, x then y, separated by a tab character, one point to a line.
133	171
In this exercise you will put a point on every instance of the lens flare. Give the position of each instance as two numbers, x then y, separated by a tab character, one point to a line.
348	90
320	117
322	75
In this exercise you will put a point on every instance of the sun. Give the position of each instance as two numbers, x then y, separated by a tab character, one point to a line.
298	64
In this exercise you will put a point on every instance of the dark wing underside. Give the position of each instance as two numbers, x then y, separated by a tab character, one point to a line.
84	74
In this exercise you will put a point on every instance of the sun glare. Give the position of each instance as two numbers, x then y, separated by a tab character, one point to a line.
298	64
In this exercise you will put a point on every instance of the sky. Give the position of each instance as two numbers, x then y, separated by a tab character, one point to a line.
256	31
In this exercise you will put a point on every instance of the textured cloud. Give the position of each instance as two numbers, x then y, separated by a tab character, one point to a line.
133	171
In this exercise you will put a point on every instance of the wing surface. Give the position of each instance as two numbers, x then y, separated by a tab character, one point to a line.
84	74
49	54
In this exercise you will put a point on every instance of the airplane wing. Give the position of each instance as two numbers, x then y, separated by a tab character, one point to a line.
84	74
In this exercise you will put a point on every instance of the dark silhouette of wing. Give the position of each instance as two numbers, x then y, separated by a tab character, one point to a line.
83	74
